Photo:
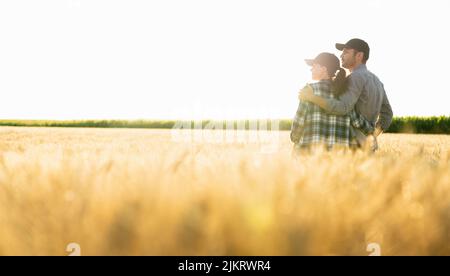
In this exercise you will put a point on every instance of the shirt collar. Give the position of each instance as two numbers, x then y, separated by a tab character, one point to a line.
360	67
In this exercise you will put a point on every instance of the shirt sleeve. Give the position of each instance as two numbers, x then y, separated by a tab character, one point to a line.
299	122
346	103
386	114
358	121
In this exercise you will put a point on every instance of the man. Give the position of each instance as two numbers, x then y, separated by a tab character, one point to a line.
365	92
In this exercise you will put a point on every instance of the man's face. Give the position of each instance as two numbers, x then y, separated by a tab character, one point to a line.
348	58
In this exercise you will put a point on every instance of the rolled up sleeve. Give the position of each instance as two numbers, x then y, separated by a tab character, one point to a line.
358	121
299	122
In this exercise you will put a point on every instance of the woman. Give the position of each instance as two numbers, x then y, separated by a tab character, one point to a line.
312	126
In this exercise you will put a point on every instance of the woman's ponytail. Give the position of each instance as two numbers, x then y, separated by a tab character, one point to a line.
340	82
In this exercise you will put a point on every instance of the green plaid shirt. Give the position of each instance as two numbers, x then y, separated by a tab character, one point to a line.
313	126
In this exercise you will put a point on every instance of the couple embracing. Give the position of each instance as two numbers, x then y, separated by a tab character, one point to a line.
340	111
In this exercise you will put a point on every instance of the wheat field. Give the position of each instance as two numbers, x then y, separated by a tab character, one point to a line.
142	192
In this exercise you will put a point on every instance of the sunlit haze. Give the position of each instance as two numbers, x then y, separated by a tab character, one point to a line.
174	59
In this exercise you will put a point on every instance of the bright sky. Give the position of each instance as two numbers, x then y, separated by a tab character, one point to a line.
170	59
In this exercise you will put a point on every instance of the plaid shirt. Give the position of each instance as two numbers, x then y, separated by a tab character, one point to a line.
313	126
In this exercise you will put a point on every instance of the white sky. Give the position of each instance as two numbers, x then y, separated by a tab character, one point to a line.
169	59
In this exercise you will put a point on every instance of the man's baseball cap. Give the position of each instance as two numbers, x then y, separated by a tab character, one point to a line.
357	44
330	61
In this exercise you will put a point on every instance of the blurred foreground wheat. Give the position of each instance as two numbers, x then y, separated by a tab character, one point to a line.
132	192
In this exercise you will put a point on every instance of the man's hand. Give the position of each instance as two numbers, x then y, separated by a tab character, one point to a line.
378	130
374	143
306	93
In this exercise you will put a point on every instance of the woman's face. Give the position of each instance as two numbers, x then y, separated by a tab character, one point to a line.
319	72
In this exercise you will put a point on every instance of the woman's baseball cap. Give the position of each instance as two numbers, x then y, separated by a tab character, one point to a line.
330	61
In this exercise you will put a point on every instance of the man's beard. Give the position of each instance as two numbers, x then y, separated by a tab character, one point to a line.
346	65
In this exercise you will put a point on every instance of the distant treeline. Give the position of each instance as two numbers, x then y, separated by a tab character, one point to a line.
426	125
